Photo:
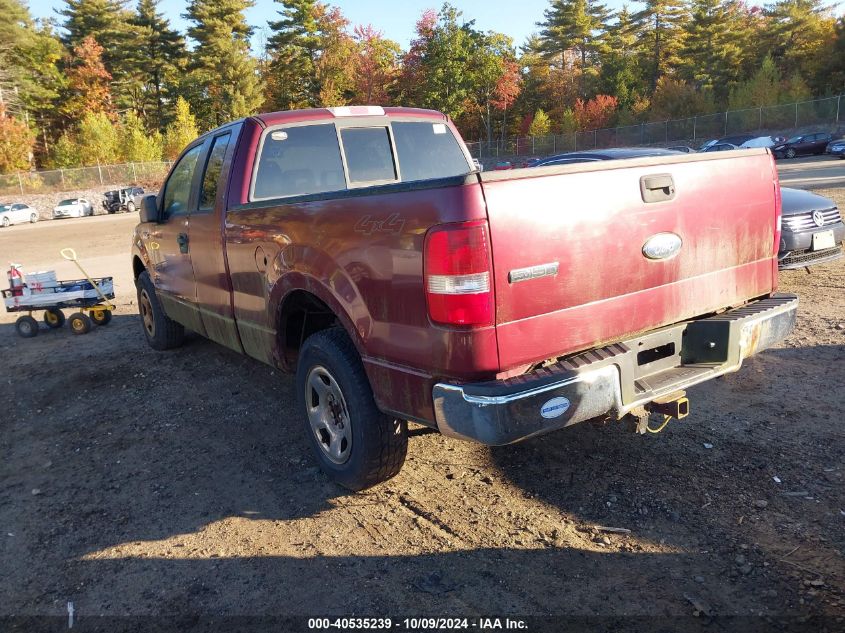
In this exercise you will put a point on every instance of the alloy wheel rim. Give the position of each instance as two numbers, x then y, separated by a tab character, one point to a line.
147	313
78	325
328	415
26	327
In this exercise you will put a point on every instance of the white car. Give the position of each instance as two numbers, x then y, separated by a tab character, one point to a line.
73	208
17	213
760	141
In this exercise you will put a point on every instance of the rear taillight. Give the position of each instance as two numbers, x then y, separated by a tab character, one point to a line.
458	283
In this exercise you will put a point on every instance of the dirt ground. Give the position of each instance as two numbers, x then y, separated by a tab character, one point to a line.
145	483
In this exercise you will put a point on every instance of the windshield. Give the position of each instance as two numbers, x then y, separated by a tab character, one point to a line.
65	203
794	139
5	207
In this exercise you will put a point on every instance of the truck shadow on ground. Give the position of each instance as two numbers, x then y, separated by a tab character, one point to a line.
111	444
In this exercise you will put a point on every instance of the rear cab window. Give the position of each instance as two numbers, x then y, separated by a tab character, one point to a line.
316	158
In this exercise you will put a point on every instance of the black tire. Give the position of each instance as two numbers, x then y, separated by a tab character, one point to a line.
100	316
79	323
33	218
26	327
130	207
161	331
54	318
6	222
379	442
790	153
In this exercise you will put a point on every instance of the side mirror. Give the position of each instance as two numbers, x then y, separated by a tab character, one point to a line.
149	209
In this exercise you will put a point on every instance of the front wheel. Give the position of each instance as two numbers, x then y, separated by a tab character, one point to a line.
79	323
357	445
100	316
161	331
6	222
790	153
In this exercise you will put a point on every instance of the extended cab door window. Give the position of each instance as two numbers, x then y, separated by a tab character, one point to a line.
211	177
177	190
369	156
298	160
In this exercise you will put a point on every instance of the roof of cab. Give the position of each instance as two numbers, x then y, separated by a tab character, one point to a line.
316	114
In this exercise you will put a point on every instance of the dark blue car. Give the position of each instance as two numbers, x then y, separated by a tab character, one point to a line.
836	148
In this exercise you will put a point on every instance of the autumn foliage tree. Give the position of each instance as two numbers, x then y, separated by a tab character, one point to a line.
88	90
16	141
595	113
376	66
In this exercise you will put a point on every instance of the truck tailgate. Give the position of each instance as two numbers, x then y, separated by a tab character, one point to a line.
591	221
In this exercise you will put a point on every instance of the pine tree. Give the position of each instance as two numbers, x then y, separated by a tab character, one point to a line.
159	59
294	48
579	27
711	53
223	73
660	25
109	23
620	71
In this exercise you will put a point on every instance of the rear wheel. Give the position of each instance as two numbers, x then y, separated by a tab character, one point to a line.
357	445
6	222
100	316
54	318
790	153
26	326
33	218
161	331
79	323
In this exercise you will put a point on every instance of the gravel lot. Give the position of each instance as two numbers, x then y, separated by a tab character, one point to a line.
136	482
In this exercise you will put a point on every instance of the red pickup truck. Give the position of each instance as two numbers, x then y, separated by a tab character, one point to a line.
360	249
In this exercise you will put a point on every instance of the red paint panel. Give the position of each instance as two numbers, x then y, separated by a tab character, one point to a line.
595	223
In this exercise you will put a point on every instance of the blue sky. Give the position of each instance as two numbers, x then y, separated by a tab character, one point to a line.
395	18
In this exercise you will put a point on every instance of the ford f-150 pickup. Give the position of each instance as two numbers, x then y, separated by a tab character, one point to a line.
360	249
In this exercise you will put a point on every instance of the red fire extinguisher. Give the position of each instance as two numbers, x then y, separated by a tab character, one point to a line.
15	280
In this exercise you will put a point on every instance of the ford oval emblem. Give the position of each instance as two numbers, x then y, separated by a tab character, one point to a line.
662	246
554	407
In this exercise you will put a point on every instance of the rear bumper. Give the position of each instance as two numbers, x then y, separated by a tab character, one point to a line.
612	380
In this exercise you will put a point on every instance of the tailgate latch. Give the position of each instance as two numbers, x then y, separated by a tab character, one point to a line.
657	187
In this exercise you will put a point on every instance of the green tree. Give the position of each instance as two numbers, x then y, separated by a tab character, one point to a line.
16	141
833	70
180	132
676	99
294	49
541	125
65	153
223	72
110	24
660	27
620	71
160	58
136	143
712	52
579	27
98	140
763	89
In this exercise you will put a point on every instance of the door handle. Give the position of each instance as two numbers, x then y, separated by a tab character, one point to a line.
657	187
182	241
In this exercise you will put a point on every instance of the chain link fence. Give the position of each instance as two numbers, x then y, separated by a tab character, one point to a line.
56	180
767	120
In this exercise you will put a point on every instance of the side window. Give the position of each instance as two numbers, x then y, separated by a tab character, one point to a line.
213	167
368	154
297	161
177	190
427	151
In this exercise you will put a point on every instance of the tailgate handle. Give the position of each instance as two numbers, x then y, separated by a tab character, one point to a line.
657	187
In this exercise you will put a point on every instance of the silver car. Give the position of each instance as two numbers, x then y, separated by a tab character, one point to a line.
73	208
17	213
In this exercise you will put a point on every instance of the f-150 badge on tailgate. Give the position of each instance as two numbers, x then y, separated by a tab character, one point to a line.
662	246
533	272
